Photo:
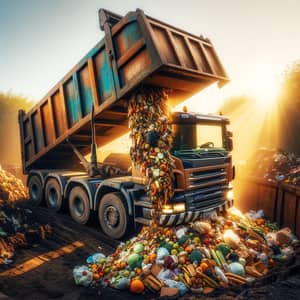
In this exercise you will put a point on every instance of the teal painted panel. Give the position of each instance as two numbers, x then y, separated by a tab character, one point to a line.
126	38
72	103
85	91
104	77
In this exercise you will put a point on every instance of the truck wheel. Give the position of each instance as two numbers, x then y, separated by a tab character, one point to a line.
35	189
113	215
53	195
79	205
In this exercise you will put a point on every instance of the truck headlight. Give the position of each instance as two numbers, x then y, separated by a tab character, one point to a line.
169	208
179	207
229	195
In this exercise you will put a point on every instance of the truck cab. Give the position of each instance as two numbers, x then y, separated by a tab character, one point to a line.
203	171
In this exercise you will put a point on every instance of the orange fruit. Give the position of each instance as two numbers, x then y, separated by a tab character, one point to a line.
138	271
94	268
123	265
203	266
188	249
152	257
136	286
260	221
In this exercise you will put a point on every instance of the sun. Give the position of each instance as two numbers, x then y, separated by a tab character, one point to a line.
265	90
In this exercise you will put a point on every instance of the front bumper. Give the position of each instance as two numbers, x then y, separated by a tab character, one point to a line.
192	215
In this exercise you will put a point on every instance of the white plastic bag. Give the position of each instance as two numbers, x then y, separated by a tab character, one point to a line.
82	275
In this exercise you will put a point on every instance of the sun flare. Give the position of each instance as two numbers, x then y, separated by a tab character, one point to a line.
265	90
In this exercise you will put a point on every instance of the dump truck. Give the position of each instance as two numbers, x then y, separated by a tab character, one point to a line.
88	108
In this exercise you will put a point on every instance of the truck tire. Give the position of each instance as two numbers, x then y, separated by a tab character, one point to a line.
53	195
113	215
35	189
79	205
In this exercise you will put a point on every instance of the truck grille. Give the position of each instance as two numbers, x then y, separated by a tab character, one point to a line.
187	155
207	185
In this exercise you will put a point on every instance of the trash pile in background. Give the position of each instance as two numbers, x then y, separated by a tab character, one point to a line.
276	166
151	141
11	188
18	226
199	257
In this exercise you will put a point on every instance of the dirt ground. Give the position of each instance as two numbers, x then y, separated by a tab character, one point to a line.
45	270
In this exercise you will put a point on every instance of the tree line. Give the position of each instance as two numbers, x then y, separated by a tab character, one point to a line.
10	150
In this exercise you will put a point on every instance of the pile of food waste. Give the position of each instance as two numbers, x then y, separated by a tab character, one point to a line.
199	257
275	166
11	187
18	229
18	225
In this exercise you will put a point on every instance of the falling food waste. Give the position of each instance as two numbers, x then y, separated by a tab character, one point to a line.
151	142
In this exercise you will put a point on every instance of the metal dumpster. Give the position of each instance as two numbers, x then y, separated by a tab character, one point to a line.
136	49
279	201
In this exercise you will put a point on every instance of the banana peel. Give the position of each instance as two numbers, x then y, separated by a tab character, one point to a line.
186	279
153	284
255	235
235	279
190	270
251	270
209	281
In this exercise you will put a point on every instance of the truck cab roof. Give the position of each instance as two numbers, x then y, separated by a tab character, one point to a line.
193	117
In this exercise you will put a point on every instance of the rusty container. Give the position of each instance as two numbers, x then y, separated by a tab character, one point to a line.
278	200
135	50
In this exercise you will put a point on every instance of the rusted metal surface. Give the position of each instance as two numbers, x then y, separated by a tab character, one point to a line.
136	50
279	201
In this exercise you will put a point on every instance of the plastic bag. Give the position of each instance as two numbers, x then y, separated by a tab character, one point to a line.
82	275
95	258
177	284
165	274
121	283
254	215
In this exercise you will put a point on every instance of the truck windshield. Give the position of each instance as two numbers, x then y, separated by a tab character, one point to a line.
197	136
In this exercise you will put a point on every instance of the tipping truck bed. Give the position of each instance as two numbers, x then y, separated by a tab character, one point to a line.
135	50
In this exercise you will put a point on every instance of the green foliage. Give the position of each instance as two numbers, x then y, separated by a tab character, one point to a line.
9	131
290	90
289	109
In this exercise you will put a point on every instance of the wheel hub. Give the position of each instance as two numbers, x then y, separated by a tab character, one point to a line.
78	206
53	197
34	191
111	216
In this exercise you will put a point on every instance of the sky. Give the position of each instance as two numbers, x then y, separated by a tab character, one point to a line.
40	41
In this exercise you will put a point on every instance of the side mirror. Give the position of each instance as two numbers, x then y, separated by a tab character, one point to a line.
229	133
152	138
229	144
229	140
